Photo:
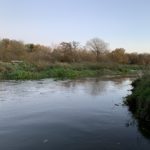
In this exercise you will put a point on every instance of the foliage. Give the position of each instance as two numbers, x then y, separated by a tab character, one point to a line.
98	46
139	100
22	70
66	60
95	51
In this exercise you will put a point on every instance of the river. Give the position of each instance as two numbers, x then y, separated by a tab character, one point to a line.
84	114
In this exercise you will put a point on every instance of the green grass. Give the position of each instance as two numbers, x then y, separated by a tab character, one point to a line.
139	100
25	71
139	104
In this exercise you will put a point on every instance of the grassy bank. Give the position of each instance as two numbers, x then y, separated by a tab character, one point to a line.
25	71
139	100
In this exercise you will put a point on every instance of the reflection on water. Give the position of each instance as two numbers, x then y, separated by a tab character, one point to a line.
73	115
143	127
95	86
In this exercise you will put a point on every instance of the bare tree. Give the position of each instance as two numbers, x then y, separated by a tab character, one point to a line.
98	46
68	50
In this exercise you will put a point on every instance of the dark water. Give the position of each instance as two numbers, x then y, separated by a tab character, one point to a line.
68	115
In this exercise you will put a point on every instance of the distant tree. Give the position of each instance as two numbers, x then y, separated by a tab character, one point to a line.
68	50
119	55
98	46
75	45
30	47
4	43
144	59
42	56
11	50
133	58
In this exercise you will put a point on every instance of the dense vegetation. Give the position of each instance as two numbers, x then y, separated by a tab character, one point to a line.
95	50
139	100
30	71
66	60
139	103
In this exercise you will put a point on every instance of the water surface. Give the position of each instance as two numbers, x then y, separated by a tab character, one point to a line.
68	115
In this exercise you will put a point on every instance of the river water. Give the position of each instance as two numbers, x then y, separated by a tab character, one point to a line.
68	115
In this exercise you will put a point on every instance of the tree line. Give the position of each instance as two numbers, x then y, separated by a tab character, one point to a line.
96	50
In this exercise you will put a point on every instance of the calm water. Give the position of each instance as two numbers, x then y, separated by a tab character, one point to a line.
68	115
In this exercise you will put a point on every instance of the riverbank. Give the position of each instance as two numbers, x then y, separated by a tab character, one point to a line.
26	71
139	100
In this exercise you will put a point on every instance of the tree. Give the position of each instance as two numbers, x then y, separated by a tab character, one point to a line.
98	46
133	58
119	55
68	50
30	47
11	50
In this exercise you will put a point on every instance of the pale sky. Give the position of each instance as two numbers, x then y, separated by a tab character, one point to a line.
121	23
